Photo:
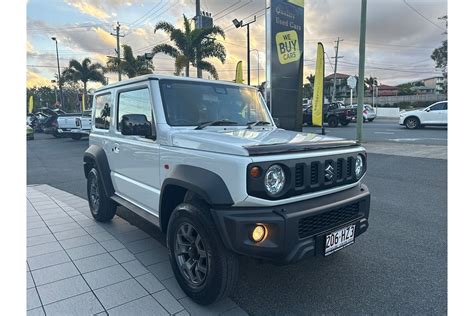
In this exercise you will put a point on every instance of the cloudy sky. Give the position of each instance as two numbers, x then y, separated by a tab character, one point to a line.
401	34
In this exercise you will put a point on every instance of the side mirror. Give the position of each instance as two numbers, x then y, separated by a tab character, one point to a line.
277	121
428	109
136	124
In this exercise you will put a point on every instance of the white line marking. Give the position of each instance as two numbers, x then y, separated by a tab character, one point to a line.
386	133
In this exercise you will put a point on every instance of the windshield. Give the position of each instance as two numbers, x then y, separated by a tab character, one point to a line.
188	103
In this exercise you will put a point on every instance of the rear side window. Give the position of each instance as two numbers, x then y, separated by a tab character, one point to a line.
102	111
438	107
134	102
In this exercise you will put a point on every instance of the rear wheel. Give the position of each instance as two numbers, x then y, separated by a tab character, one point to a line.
332	121
102	207
205	270
76	136
412	122
370	120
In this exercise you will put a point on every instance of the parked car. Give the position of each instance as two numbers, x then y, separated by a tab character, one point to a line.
333	114
204	161
66	123
435	115
368	113
83	126
30	133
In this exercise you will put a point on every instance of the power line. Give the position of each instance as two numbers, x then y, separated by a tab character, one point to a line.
143	16
223	10
239	7
424	17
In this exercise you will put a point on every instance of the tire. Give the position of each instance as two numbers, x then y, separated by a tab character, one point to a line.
102	208
221	265
345	123
412	122
332	121
370	120
76	136
56	135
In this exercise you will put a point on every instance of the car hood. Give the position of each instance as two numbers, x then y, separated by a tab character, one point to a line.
253	142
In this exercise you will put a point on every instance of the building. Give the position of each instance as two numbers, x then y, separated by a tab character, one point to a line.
384	90
432	85
342	89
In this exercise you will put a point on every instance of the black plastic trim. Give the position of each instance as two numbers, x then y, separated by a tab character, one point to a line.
258	150
283	244
205	183
98	156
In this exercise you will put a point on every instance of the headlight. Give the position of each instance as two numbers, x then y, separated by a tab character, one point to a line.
359	166
274	179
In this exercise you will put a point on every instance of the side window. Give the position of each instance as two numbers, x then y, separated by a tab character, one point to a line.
102	111
134	102
445	106
438	107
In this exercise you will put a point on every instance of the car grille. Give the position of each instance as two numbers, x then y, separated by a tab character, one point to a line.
315	224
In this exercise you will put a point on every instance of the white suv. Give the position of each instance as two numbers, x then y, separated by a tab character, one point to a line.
434	115
204	161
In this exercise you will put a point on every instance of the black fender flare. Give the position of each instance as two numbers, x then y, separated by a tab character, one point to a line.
97	156
203	182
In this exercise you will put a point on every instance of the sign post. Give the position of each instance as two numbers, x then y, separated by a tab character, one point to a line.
284	49
351	82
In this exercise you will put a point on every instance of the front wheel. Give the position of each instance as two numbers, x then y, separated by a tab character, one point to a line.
102	207
345	123
205	270
412	123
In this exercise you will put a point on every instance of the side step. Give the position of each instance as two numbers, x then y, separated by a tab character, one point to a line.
137	210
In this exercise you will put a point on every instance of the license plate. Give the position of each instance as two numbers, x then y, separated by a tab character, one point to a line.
339	239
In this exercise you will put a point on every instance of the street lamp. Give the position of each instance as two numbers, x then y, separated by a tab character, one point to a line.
238	24
55	92
258	65
59	72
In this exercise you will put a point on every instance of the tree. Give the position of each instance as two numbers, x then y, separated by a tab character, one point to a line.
130	65
187	43
370	83
310	78
440	56
84	71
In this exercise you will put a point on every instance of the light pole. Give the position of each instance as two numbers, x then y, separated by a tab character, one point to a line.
258	65
238	24
55	91
59	72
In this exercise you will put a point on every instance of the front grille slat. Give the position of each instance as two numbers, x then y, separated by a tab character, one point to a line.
299	175
315	224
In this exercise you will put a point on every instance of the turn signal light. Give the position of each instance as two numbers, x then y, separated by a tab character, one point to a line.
255	172
259	233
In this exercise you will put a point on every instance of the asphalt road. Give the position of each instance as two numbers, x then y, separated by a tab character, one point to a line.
398	266
388	130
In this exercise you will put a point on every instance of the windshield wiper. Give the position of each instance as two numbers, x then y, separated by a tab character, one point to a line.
215	123
251	125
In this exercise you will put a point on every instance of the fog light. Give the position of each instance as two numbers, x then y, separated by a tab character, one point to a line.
259	233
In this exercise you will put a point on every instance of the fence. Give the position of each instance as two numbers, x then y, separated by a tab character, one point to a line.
401	98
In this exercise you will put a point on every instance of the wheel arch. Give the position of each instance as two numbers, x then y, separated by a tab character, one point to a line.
95	156
187	182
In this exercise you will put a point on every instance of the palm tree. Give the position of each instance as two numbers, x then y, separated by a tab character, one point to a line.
189	43
84	71
130	65
370	83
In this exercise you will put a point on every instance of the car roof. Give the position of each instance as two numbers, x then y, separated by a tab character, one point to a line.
158	77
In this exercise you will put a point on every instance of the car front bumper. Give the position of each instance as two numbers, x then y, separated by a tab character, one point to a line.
296	230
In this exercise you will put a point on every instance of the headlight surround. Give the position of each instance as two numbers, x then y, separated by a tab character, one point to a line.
359	166
274	179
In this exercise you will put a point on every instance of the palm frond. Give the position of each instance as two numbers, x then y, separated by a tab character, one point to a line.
164	26
165	49
207	66
213	49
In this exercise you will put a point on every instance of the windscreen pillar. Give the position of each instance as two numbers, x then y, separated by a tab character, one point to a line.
284	24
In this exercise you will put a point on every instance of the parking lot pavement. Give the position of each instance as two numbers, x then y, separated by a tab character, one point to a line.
398	266
77	266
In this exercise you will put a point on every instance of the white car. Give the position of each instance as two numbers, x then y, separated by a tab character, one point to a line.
368	113
204	161
83	126
434	115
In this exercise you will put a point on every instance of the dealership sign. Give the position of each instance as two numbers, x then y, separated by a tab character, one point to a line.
284	48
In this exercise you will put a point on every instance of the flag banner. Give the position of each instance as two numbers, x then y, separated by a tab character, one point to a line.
239	77
30	104
318	97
